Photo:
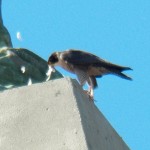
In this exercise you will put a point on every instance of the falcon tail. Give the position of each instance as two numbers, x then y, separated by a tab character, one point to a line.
122	75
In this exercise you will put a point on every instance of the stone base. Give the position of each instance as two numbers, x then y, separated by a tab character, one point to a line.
54	115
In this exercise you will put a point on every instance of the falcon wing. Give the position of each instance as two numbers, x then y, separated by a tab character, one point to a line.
77	57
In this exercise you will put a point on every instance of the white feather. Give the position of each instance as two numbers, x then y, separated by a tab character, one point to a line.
23	69
49	72
19	37
29	82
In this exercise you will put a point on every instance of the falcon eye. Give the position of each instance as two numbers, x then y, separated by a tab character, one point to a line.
53	59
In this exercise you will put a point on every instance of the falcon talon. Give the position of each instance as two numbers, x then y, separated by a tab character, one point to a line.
86	66
91	98
88	94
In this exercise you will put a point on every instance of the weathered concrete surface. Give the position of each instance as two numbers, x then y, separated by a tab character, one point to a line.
54	115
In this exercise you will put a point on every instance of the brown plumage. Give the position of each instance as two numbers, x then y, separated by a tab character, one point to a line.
86	66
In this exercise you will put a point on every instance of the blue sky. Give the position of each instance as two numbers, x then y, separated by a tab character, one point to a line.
118	31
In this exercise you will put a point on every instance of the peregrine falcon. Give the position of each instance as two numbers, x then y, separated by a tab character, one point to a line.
86	66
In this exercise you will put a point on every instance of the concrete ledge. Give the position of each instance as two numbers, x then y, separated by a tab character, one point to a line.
54	115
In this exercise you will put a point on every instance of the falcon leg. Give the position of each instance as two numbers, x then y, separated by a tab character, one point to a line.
91	93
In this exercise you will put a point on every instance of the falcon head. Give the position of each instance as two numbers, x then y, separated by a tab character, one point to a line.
53	59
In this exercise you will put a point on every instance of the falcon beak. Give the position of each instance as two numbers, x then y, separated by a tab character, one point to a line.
51	66
49	63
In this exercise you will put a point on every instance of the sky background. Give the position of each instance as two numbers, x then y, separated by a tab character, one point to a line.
118	31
